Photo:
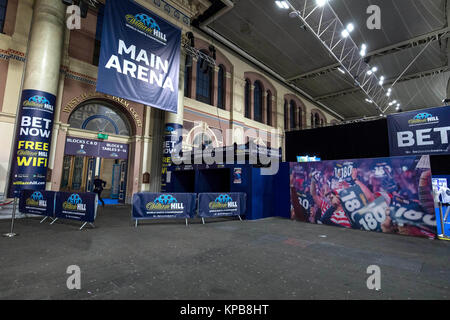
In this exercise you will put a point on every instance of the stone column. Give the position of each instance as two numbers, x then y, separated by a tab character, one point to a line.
39	91
173	130
264	107
45	47
215	87
193	86
252	101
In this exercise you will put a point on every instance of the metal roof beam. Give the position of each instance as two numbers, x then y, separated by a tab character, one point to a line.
413	42
386	83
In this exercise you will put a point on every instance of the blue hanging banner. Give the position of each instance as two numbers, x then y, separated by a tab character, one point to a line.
163	205
37	202
213	205
173	139
140	56
76	206
424	132
32	142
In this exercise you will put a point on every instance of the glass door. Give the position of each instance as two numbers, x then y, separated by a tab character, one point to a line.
90	174
123	181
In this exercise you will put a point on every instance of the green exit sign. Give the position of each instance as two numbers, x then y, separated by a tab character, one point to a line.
103	136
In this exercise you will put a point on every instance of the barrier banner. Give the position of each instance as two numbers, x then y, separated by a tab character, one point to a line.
139	56
213	205
391	195
76	206
37	202
163	205
420	132
32	142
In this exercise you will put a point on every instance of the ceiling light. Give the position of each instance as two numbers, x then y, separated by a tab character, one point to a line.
321	3
374	69
294	14
363	51
345	33
350	27
369	72
282	4
341	71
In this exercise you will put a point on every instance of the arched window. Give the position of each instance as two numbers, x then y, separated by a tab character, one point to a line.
221	87
204	81
300	118
269	108
286	115
316	120
100	117
247	99
258	102
187	76
202	139
292	106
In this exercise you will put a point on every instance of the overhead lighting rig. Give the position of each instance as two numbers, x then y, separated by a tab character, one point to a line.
319	17
204	59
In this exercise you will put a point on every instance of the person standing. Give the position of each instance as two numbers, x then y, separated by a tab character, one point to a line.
99	184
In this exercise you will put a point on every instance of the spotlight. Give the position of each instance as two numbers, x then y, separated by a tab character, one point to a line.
282	4
363	51
294	14
321	3
350	27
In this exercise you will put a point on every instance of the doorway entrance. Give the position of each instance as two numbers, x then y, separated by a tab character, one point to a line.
79	173
86	158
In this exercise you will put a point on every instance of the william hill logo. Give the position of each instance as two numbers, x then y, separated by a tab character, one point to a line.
165	202
74	203
38	102
424	118
144	23
223	201
36	200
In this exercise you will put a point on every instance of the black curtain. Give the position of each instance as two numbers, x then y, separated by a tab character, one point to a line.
351	141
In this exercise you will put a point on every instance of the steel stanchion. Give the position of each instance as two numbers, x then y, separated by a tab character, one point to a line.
11	234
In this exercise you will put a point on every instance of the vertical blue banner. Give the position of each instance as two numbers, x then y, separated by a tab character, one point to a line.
32	142
420	132
173	138
140	56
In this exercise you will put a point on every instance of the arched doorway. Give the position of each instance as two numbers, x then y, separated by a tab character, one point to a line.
97	145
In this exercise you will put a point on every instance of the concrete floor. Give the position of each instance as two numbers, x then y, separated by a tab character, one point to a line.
268	259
